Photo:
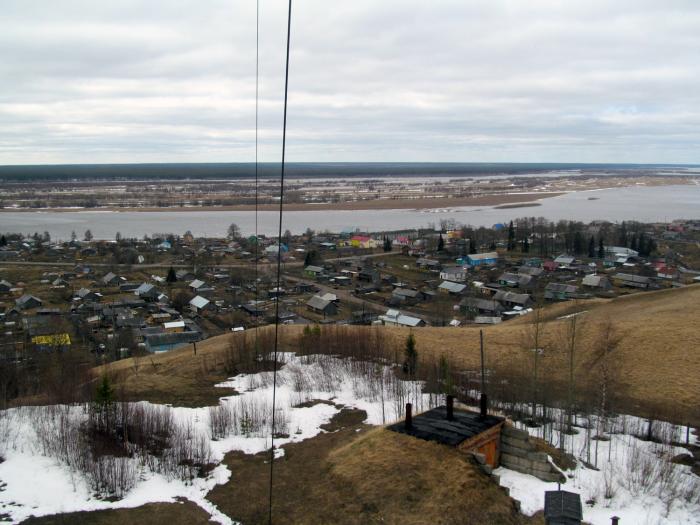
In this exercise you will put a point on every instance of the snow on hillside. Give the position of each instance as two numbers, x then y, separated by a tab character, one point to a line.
634	478
35	480
33	483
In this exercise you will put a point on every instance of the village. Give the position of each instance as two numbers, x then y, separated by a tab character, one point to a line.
126	297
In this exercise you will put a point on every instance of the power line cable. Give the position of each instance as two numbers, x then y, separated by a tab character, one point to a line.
279	258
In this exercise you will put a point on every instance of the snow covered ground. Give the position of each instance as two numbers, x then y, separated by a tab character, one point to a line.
633	479
35	482
32	483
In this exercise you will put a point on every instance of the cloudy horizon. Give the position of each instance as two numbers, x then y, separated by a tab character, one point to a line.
483	81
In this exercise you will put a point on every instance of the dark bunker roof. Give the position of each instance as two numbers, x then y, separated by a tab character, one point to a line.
434	426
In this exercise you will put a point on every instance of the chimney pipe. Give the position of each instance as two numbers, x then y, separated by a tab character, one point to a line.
483	405
409	417
450	408
615	520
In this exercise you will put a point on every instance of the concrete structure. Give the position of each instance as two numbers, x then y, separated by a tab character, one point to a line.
520	454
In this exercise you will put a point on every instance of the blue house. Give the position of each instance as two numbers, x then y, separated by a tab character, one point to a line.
482	259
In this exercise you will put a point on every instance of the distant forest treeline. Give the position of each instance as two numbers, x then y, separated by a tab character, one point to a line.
294	170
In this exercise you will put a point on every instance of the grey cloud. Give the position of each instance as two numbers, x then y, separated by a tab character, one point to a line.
499	80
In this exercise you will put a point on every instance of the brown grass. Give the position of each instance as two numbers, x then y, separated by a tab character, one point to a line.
360	476
179	377
657	362
180	513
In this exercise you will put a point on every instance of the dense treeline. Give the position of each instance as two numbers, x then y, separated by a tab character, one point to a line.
295	169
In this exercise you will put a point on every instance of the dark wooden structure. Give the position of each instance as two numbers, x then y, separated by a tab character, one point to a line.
562	508
465	430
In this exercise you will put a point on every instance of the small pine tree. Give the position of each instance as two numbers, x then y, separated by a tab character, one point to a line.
526	245
172	276
623	235
105	392
3	240
472	247
387	244
591	247
88	235
311	258
511	237
578	243
445	376
441	243
410	356
601	248
633	243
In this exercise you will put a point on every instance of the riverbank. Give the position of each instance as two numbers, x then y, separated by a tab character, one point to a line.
376	204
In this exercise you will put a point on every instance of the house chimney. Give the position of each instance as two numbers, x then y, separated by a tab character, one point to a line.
615	520
450	408
409	417
483	405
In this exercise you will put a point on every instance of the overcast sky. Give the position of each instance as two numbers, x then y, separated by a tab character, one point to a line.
371	80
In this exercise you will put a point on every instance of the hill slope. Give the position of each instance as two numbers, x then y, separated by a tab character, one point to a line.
655	364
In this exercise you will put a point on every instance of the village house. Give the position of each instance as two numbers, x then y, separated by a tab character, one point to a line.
313	271
174	326
560	291
477	306
482	259
27	302
5	286
184	275
564	261
111	279
512	299
396	318
201	304
455	274
85	295
599	282
323	306
369	275
451	288
631	280
362	241
200	287
406	296
147	292
514	280
428	264
534	271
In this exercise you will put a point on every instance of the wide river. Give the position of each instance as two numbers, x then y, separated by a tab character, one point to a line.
641	203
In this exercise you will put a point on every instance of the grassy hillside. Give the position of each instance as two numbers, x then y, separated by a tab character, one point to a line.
656	363
357	475
655	366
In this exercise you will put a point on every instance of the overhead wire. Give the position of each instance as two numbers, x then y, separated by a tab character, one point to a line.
279	262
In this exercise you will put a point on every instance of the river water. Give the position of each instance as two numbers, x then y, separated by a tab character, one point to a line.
641	203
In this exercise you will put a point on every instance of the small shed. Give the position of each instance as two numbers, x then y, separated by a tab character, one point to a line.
562	508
